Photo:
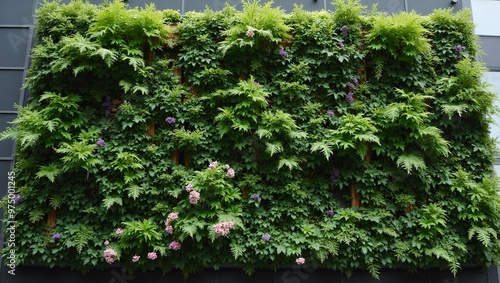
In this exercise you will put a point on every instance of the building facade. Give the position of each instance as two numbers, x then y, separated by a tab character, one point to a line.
17	27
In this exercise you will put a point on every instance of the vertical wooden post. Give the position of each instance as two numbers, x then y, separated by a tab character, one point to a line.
51	218
355	195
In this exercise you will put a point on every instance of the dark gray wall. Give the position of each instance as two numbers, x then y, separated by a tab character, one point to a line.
16	37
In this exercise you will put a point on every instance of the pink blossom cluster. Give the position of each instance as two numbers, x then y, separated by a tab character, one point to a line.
250	33
230	173
189	187
194	197
174	245
212	165
135	258
223	228
168	223
300	260
119	232
152	256
110	255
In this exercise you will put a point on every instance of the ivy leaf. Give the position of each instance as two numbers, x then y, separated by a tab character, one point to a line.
50	171
410	161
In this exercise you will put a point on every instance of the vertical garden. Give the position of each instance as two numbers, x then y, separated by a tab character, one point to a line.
348	140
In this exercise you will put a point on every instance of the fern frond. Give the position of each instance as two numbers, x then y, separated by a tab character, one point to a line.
410	161
50	171
109	201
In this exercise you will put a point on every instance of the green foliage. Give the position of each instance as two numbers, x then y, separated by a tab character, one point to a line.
303	113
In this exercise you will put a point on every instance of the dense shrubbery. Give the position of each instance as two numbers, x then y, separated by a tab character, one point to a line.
255	139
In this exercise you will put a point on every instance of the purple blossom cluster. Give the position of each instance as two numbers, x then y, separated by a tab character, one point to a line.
283	53
459	49
334	175
135	258
266	237
170	120
300	260
152	256
100	142
223	228
330	113
174	245
110	255
352	85
168	222
255	196
350	97
56	236
107	105
17	199
344	30
330	212
194	197
340	44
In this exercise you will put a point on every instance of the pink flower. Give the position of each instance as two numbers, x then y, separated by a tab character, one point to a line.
212	165
300	260
171	218
110	255
223	228
119	232
189	188
194	197
230	173
169	229
135	258
226	166
152	256
250	33
175	245
106	243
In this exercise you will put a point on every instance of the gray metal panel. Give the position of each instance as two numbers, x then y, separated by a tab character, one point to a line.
160	5
491	49
10	88
389	6
13	46
216	5
427	7
16	12
6	146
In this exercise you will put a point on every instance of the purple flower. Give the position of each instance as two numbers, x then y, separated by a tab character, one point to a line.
266	237
355	81
341	44
135	258
283	53
255	196
349	97
300	260
100	142
175	245
17	199
56	236
344	30
460	48
330	212
170	120
351	86
250	33
152	256
330	113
